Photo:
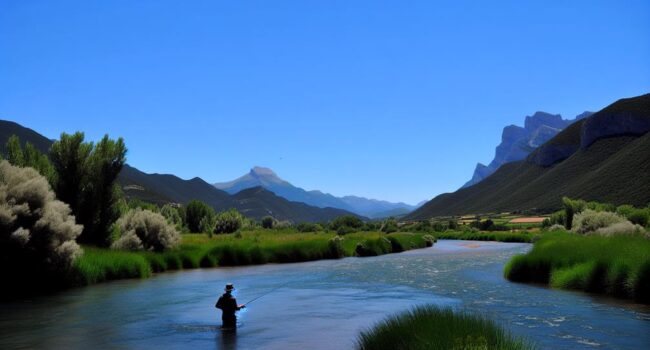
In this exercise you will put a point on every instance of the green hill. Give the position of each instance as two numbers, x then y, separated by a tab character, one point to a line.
166	188
605	157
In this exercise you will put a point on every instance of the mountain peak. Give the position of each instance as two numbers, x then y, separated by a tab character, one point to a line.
260	171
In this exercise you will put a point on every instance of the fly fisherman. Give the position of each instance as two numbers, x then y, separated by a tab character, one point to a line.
228	305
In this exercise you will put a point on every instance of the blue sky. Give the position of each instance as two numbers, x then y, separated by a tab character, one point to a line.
394	100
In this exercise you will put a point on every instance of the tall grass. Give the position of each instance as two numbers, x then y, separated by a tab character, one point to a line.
615	265
428	327
244	248
522	237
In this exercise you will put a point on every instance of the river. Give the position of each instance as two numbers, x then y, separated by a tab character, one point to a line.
322	305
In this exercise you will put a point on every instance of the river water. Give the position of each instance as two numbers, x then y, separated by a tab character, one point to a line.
322	305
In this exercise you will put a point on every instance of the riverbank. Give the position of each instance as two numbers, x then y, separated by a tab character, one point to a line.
244	248
495	236
617	265
429	327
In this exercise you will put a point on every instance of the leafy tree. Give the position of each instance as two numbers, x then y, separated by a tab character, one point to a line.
228	221
389	226
195	211
346	221
29	157
172	214
86	181
452	225
208	224
268	222
572	207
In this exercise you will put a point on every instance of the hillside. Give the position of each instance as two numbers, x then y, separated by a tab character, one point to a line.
269	180
605	157
258	202
165	188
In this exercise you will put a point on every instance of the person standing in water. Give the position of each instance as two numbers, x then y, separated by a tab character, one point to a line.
228	305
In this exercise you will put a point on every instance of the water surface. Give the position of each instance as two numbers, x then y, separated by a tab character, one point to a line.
322	305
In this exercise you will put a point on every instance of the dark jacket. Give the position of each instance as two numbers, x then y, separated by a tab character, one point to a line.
228	305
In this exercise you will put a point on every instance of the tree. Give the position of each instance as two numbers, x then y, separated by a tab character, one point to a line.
195	211
346	221
572	207
37	232
172	214
268	222
86	181
29	157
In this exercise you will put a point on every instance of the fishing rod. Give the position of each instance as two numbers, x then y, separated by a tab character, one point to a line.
267	293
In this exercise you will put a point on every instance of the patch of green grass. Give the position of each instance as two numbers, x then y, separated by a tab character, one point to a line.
615	265
246	248
430	328
522	237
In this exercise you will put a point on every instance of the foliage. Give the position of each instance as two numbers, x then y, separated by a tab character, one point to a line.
195	211
589	220
572	207
389	226
308	227
619	228
208	224
524	237
429	327
268	222
346	224
172	214
228	221
145	230
86	181
29	157
618	265
37	232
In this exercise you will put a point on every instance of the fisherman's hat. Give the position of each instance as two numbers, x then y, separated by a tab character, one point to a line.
229	287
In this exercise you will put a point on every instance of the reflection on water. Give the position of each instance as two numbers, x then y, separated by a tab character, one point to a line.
324	305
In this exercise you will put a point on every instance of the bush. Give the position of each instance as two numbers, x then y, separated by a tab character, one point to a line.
145	230
429	240
619	228
590	220
639	216
195	211
37	232
228	221
308	227
428	327
571	208
268	222
348	222
557	227
389	226
172	214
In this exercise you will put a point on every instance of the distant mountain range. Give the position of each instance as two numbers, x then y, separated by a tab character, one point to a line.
268	179
604	157
517	142
164	188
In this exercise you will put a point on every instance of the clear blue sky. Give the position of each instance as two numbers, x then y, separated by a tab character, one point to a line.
394	100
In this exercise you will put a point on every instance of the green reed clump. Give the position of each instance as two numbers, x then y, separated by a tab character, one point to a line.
615	265
429	327
515	237
99	265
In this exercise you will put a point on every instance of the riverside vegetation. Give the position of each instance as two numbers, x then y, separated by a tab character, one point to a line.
428	327
593	247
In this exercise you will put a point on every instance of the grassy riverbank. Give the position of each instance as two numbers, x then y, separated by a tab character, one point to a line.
518	236
428	327
616	265
245	248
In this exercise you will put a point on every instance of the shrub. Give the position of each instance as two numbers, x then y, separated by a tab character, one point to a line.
145	230
208	224
309	227
37	232
389	226
348	221
572	207
429	240
335	247
618	228
590	220
172	215
195	211
228	221
557	227
268	222
639	216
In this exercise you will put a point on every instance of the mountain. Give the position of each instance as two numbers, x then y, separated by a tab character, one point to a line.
165	188
258	202
517	142
604	157
269	180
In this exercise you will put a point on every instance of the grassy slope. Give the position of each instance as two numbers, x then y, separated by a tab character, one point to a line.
612	170
252	247
618	265
431	328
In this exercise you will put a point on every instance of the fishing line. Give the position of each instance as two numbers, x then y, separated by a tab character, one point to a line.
267	293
